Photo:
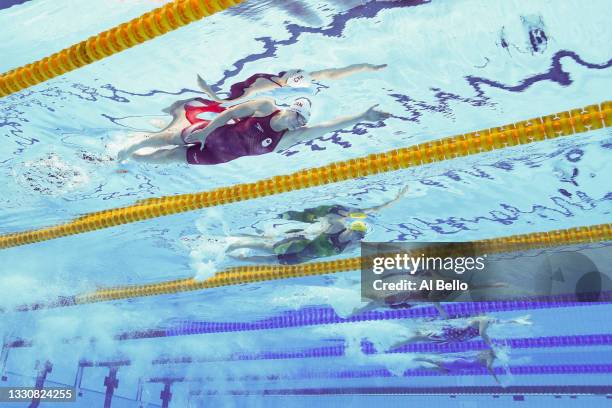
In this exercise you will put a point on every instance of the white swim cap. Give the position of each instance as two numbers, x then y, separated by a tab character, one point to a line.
299	79
301	106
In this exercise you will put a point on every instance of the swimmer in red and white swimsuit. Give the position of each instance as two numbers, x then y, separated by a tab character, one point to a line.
247	129
294	78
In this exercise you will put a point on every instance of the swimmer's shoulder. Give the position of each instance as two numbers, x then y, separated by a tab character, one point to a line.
261	106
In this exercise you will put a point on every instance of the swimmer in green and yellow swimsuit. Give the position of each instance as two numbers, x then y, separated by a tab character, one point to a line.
339	229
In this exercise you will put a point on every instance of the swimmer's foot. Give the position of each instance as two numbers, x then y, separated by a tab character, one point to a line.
399	344
124	167
123	155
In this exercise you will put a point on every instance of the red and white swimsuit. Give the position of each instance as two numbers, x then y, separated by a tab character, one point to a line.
245	137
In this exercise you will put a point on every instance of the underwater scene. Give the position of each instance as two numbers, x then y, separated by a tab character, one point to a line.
190	189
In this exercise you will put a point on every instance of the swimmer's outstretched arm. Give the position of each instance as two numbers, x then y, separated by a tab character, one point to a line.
301	216
208	90
253	89
309	215
260	107
312	132
398	197
338	73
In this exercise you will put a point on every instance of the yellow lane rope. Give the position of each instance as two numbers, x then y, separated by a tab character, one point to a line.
249	274
150	25
529	131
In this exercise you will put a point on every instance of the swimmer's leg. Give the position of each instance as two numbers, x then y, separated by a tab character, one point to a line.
429	363
372	305
413	339
163	156
492	372
255	258
159	139
489	359
177	111
483	326
440	310
254	242
208	90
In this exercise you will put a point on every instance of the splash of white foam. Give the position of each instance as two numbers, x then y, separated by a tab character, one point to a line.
207	252
50	175
18	289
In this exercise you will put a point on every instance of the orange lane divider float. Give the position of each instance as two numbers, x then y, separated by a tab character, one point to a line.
529	131
249	274
148	26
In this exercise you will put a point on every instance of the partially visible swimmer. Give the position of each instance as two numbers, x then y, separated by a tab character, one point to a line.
337	229
454	363
449	333
247	129
406	299
398	301
294	78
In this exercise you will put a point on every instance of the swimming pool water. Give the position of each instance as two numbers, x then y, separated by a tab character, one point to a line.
453	67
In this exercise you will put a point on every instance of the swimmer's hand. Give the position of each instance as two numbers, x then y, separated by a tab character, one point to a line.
200	136
376	67
403	191
375	115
